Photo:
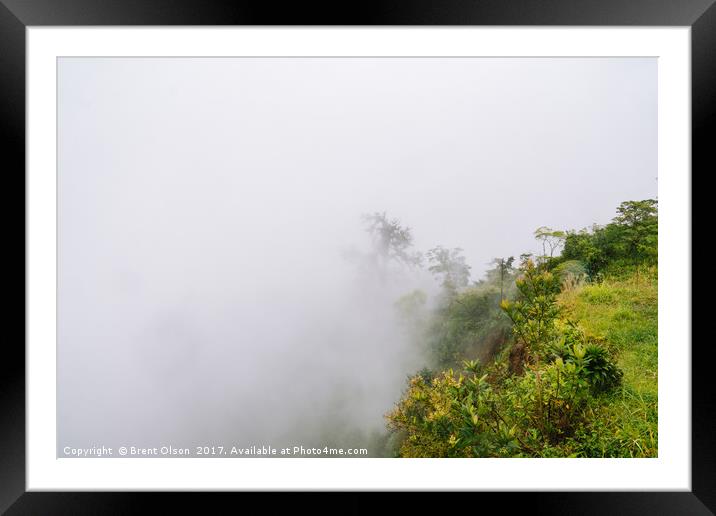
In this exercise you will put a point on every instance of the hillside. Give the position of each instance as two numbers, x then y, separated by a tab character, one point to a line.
623	314
554	357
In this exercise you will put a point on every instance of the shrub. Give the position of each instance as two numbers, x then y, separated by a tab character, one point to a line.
601	372
593	360
534	313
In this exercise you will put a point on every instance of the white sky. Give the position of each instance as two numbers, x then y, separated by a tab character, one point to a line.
204	204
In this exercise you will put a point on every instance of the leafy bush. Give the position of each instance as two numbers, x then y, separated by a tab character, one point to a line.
465	415
593	359
534	312
599	370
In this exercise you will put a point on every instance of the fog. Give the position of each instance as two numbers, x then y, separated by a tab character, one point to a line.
208	209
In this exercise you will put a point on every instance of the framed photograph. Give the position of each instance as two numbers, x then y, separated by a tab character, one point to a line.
416	249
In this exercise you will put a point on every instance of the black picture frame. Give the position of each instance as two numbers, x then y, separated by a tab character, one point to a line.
16	15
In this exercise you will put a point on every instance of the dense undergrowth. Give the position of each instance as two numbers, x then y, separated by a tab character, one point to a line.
556	357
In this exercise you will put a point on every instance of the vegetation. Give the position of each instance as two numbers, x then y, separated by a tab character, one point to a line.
392	242
449	265
623	246
554	358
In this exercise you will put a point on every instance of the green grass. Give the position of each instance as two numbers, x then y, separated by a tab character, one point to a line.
623	313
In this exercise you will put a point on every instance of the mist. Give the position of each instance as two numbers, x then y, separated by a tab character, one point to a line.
210	287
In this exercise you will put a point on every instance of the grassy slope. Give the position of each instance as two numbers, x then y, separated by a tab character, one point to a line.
622	312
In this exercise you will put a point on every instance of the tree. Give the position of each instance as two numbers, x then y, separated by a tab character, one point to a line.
505	269
551	240
587	247
392	242
534	313
638	225
450	267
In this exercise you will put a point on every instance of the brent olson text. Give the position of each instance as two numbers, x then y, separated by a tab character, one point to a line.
215	451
